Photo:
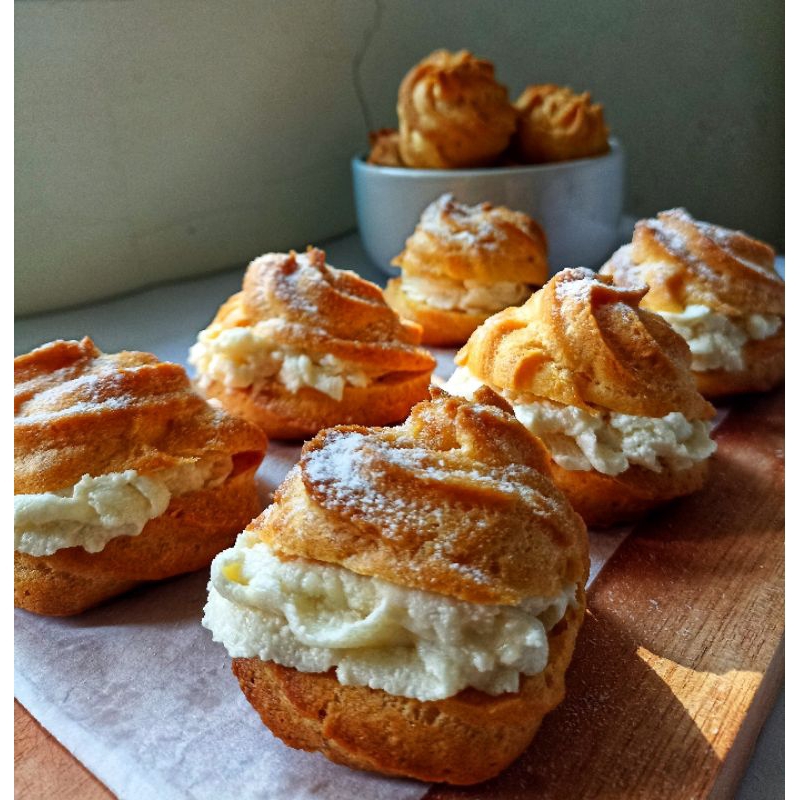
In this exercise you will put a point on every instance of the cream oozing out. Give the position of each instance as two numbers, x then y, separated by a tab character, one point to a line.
246	356
468	295
608	442
100	508
412	643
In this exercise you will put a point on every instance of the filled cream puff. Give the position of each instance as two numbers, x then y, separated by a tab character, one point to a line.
122	474
453	113
409	603
719	290
605	385
305	346
555	124
464	263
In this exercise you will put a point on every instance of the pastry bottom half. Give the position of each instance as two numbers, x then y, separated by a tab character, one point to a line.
604	500
464	739
282	414
763	370
441	328
186	537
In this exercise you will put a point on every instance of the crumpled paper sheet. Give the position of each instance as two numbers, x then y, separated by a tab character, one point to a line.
139	693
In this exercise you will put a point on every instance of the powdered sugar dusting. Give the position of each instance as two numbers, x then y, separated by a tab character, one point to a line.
453	221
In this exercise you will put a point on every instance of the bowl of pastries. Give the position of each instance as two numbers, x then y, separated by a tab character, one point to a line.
547	154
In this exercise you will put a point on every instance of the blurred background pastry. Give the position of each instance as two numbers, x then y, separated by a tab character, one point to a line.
464	263
555	124
453	113
305	346
122	474
607	388
384	148
409	603
719	290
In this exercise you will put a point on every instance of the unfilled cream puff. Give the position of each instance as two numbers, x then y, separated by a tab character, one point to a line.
305	346
453	113
605	385
122	475
555	124
464	263
409	603
719	290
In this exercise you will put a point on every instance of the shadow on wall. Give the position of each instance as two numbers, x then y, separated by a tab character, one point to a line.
156	141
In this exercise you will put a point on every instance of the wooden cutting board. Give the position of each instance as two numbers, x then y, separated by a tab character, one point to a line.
677	664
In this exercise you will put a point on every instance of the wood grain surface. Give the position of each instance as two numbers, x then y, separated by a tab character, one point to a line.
677	664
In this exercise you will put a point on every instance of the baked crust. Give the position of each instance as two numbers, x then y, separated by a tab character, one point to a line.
186	537
453	113
79	411
440	328
463	739
604	500
687	262
282	414
457	501
322	312
555	124
385	148
583	342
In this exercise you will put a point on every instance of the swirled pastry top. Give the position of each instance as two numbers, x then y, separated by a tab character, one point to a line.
326	312
483	242
453	113
455	501
583	342
686	262
556	124
79	412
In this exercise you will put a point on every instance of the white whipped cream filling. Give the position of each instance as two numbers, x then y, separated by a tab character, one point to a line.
469	295
716	340
412	643
247	356
609	442
98	509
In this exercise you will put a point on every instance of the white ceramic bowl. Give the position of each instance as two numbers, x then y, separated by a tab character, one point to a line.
578	203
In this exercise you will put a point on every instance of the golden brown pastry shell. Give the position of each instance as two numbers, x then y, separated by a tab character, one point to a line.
763	370
440	328
604	500
282	414
555	124
453	113
463	739
186	537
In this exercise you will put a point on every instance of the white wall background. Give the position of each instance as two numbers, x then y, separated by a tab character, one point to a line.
162	139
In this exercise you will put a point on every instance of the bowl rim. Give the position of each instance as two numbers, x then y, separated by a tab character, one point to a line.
615	150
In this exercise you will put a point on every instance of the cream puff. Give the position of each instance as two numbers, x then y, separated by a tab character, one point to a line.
453	113
409	603
719	290
385	148
605	385
555	124
464	263
122	474
305	346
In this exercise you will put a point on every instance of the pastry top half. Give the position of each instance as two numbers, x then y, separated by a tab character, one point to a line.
685	262
484	243
304	321
80	412
453	113
555	124
456	501
581	341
